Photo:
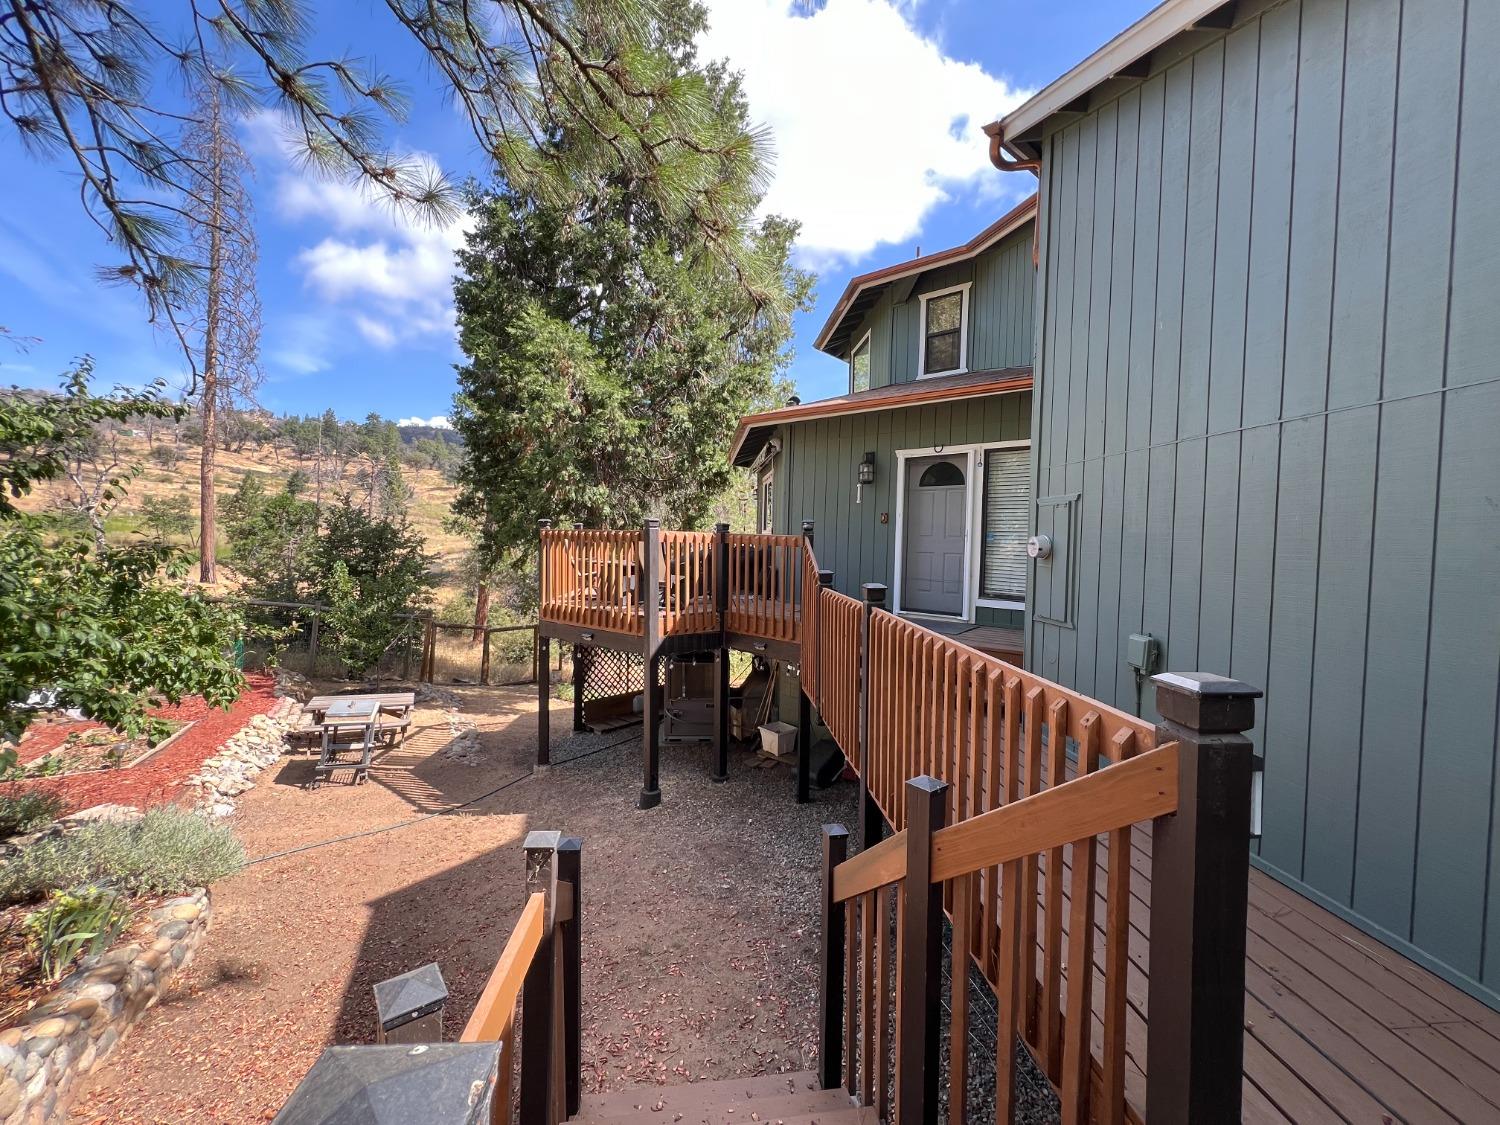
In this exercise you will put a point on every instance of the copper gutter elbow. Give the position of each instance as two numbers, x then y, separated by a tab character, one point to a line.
998	157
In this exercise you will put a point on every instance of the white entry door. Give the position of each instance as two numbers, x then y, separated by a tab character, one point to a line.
935	521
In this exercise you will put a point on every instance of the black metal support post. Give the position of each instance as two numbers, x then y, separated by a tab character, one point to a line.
580	678
871	823
831	964
651	697
1200	872
538	995
721	656
804	709
570	889
919	1006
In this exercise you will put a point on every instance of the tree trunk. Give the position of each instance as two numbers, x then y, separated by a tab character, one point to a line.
481	610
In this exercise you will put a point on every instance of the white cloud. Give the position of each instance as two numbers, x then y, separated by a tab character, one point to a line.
874	125
392	271
437	422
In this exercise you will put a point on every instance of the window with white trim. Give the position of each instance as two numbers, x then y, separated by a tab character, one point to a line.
944	332
1007	502
859	365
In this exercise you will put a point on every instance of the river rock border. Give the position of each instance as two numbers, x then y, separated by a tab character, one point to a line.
234	766
93	1009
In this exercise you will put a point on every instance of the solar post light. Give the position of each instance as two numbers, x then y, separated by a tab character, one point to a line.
409	1008
397	1084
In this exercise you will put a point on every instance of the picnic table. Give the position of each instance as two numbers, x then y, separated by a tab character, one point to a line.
348	728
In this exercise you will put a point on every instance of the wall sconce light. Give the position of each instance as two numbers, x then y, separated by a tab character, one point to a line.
866	475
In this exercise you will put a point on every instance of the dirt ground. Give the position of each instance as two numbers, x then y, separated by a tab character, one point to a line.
700	917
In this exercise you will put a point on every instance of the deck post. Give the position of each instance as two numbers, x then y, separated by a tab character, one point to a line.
651	700
570	915
721	655
871	823
919	1030
831	964
580	680
538	991
1200	874
804	707
543	666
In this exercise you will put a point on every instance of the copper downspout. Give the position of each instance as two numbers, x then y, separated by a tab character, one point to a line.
998	158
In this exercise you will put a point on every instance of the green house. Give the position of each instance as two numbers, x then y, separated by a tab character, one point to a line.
919	476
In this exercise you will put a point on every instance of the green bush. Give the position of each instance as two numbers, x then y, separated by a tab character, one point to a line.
26	812
85	919
168	851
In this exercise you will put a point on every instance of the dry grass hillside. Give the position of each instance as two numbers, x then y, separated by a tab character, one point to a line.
431	495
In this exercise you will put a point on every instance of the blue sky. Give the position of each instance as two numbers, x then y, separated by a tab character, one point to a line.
875	106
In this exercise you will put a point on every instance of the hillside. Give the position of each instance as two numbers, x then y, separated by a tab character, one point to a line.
432	494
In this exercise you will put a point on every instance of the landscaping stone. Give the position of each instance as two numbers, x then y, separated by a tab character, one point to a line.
231	770
94	1007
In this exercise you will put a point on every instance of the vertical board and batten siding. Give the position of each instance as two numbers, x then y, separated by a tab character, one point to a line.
815	479
1268	401
1001	296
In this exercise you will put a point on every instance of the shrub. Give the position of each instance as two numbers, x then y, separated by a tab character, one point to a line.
168	851
26	812
88	918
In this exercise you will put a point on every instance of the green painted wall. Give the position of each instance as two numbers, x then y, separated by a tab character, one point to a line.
1001	303
815	479
1266	416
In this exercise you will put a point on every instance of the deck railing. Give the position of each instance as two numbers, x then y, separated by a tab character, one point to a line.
540	966
1020	828
595	580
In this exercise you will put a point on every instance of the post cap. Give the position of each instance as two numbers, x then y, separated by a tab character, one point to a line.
925	784
542	840
722	528
825	578
653	521
835	830
874	592
807	527
392	1085
544	522
1205	702
409	996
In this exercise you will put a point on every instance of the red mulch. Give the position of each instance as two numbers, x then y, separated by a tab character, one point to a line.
158	780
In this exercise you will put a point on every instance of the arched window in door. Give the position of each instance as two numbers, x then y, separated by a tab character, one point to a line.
941	474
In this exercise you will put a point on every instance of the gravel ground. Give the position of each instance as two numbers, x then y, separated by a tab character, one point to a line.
699	916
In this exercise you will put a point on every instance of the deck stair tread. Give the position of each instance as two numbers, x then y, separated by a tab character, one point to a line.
791	1099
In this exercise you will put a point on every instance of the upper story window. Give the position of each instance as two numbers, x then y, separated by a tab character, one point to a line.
859	365
945	331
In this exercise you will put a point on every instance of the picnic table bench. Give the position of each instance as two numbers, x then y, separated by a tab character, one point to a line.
345	725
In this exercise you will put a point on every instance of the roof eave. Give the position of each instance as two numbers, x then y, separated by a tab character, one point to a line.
1136	42
1006	225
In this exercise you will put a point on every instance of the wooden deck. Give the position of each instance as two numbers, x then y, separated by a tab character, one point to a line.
1338	1026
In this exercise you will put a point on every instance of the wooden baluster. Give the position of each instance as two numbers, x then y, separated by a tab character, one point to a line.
883	988
1078	1054
1030	876
505	1081
1010	1017
994	749
1050	1034
1116	957
851	1003
867	995
958	1025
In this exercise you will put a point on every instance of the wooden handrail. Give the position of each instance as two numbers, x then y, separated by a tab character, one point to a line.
874	867
497	1003
1137	790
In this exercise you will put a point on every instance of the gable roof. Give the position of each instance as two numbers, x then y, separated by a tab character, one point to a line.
1126	56
864	290
756	429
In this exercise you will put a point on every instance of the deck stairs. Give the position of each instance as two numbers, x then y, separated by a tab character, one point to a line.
771	1099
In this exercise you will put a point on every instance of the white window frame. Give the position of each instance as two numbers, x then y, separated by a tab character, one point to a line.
992	603
864	340
972	455
765	497
963	332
